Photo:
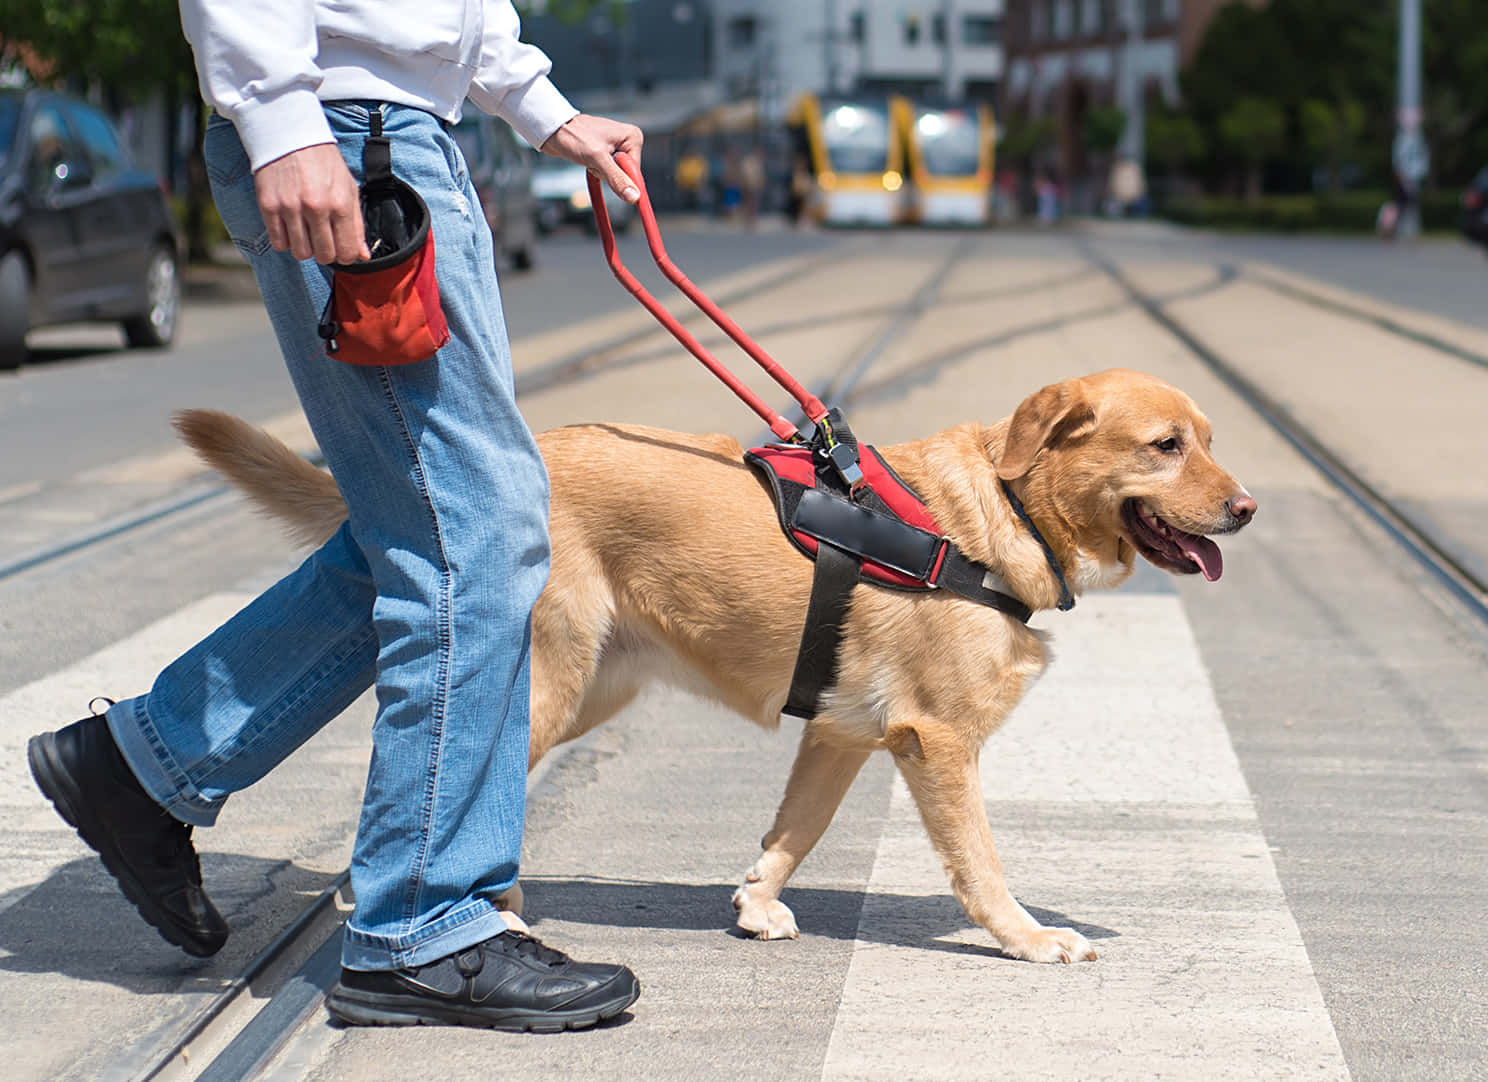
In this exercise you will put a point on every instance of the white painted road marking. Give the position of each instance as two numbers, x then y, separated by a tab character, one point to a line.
1119	806
123	669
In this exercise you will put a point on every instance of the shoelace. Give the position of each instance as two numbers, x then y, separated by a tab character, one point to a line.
174	844
531	947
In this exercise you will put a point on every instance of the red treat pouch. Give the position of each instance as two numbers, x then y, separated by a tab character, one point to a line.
386	310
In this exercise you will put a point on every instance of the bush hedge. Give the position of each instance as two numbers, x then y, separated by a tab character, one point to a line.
1339	212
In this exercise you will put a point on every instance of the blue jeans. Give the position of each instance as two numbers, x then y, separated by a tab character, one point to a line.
427	589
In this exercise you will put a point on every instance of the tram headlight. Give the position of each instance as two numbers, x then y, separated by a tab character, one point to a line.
580	199
892	181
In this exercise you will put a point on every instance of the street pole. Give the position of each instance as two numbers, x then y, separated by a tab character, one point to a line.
1129	91
947	63
829	44
1410	154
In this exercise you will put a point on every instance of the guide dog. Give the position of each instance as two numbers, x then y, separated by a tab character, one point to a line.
668	563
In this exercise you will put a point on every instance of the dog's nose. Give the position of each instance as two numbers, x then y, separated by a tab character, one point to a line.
1242	508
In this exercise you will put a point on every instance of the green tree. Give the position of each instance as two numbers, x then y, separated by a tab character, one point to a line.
1331	134
1254	130
1103	127
1024	138
1455	87
1292	51
1173	140
131	49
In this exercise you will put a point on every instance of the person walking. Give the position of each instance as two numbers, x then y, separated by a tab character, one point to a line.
426	591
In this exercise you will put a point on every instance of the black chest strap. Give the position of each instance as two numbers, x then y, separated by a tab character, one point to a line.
836	574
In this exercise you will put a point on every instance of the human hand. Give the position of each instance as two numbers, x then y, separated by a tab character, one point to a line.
310	204
593	142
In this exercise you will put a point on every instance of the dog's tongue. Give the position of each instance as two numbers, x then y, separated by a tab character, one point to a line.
1201	551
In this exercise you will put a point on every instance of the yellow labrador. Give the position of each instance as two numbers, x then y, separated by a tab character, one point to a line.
1107	466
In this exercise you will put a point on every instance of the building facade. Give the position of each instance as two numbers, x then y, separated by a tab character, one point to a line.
1066	57
771	50
950	49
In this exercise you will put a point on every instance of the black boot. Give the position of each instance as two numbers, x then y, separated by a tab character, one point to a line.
143	846
511	982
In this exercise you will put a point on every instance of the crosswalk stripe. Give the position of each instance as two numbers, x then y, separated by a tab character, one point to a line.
123	668
1116	799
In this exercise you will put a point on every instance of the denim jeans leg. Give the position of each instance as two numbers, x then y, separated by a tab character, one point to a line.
447	502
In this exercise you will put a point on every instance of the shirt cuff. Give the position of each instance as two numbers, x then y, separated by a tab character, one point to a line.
271	128
537	110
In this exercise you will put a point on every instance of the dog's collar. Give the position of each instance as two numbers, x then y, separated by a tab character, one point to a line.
1066	599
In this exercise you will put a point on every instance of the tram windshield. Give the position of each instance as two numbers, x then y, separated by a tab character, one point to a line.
949	141
856	135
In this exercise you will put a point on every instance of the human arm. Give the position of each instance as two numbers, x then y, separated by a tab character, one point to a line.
512	82
256	65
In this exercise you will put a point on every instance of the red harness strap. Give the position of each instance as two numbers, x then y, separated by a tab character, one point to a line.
846	511
883	534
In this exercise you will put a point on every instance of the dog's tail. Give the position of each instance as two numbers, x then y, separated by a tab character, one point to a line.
279	482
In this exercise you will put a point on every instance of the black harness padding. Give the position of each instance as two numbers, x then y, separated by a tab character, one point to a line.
836	574
860	536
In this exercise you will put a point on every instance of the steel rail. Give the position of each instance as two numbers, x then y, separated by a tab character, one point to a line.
1409	534
570	368
175	1060
248	1045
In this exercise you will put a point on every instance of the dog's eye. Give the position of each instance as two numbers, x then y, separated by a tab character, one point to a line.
1168	445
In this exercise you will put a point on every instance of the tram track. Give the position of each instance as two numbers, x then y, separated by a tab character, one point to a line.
1414	536
567	369
237	1033
232	1038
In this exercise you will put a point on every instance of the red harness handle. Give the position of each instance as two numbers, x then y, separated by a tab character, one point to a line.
782	428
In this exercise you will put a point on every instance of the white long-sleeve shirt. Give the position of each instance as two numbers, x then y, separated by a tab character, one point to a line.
267	64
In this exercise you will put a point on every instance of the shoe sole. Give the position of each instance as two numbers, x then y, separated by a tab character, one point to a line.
57	785
358	1008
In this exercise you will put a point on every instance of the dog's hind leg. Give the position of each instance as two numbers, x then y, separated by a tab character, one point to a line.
819	780
941	772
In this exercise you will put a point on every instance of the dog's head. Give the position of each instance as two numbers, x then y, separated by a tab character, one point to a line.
1118	463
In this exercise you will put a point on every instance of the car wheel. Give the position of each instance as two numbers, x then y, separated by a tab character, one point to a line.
155	328
15	309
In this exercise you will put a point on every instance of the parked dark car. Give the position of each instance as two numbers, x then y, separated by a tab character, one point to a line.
83	234
1475	208
501	170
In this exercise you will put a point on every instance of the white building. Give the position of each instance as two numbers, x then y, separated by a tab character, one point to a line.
778	48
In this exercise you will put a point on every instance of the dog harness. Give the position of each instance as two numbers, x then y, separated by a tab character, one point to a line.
878	531
845	510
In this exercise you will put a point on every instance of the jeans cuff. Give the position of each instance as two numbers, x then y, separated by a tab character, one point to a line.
472	923
140	744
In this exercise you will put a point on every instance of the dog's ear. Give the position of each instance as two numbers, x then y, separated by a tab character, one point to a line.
1057	413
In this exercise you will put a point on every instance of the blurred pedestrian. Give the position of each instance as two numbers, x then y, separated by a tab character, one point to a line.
799	189
1127	186
1387	221
1046	196
733	184
692	178
751	185
427	589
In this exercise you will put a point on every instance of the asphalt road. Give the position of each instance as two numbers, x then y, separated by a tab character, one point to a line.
84	401
1264	798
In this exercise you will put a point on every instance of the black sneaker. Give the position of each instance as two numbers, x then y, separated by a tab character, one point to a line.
145	848
510	982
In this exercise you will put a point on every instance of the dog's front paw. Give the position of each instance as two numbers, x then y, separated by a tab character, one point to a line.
764	918
1049	945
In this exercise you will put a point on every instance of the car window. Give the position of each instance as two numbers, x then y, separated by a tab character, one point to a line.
54	152
102	145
